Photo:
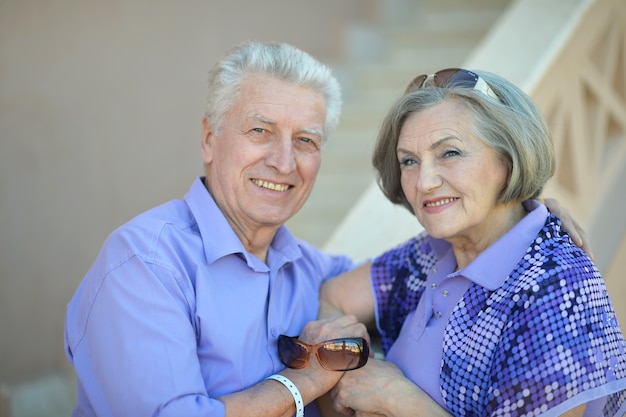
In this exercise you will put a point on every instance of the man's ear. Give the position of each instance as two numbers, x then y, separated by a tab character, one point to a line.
206	143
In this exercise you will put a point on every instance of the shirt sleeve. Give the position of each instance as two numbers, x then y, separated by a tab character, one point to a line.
132	342
564	329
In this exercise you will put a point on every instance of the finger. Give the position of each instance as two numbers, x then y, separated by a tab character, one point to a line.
346	411
584	242
337	398
321	330
579	236
336	322
347	325
574	231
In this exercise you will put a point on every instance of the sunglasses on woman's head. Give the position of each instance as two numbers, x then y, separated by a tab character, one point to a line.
452	77
343	354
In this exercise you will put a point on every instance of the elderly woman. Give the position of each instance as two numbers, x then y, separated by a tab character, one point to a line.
492	311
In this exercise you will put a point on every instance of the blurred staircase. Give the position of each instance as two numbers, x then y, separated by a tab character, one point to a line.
409	38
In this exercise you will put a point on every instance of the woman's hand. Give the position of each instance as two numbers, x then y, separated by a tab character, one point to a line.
381	389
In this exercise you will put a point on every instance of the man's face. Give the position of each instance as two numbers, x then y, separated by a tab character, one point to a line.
262	165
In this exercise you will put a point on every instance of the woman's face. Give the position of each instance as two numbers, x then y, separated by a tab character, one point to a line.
451	178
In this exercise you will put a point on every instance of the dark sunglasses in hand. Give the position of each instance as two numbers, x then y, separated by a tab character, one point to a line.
343	354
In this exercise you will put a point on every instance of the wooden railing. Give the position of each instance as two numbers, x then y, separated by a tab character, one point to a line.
583	94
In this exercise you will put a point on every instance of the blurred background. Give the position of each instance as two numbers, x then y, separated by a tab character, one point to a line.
100	119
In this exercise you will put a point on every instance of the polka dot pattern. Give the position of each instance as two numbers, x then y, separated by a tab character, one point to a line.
400	278
548	334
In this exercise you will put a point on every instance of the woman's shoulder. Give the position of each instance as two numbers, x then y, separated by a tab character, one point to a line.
412	258
554	249
553	260
415	247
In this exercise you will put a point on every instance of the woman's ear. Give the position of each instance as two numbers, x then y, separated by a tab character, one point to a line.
206	143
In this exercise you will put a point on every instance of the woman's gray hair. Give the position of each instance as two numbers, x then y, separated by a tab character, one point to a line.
513	126
278	60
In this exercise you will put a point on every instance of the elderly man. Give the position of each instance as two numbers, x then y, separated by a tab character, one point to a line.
181	311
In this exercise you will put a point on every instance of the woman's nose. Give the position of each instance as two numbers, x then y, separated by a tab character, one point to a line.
429	178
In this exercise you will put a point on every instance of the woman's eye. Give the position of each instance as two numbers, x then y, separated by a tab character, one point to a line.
450	153
405	162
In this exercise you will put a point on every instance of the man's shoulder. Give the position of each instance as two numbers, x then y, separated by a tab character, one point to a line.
333	264
151	229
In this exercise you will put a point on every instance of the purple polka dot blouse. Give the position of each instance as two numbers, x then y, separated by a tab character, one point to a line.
527	329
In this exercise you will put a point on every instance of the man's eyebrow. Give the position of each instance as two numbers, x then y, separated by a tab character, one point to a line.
309	130
312	131
263	119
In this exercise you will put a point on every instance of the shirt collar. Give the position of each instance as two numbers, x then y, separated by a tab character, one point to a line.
491	268
219	239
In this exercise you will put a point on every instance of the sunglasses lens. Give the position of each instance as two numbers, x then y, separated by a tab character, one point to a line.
344	354
417	82
455	77
291	353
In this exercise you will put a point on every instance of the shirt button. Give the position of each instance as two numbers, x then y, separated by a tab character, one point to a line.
433	285
434	270
445	293
438	314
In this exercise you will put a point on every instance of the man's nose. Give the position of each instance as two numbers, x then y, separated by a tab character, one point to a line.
282	156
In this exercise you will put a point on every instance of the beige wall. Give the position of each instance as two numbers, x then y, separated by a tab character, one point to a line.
100	107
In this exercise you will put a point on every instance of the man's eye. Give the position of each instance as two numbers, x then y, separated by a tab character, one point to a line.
308	143
259	130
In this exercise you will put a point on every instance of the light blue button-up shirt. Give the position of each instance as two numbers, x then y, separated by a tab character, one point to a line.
175	312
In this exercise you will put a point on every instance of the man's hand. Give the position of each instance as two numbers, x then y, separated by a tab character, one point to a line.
576	232
333	328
